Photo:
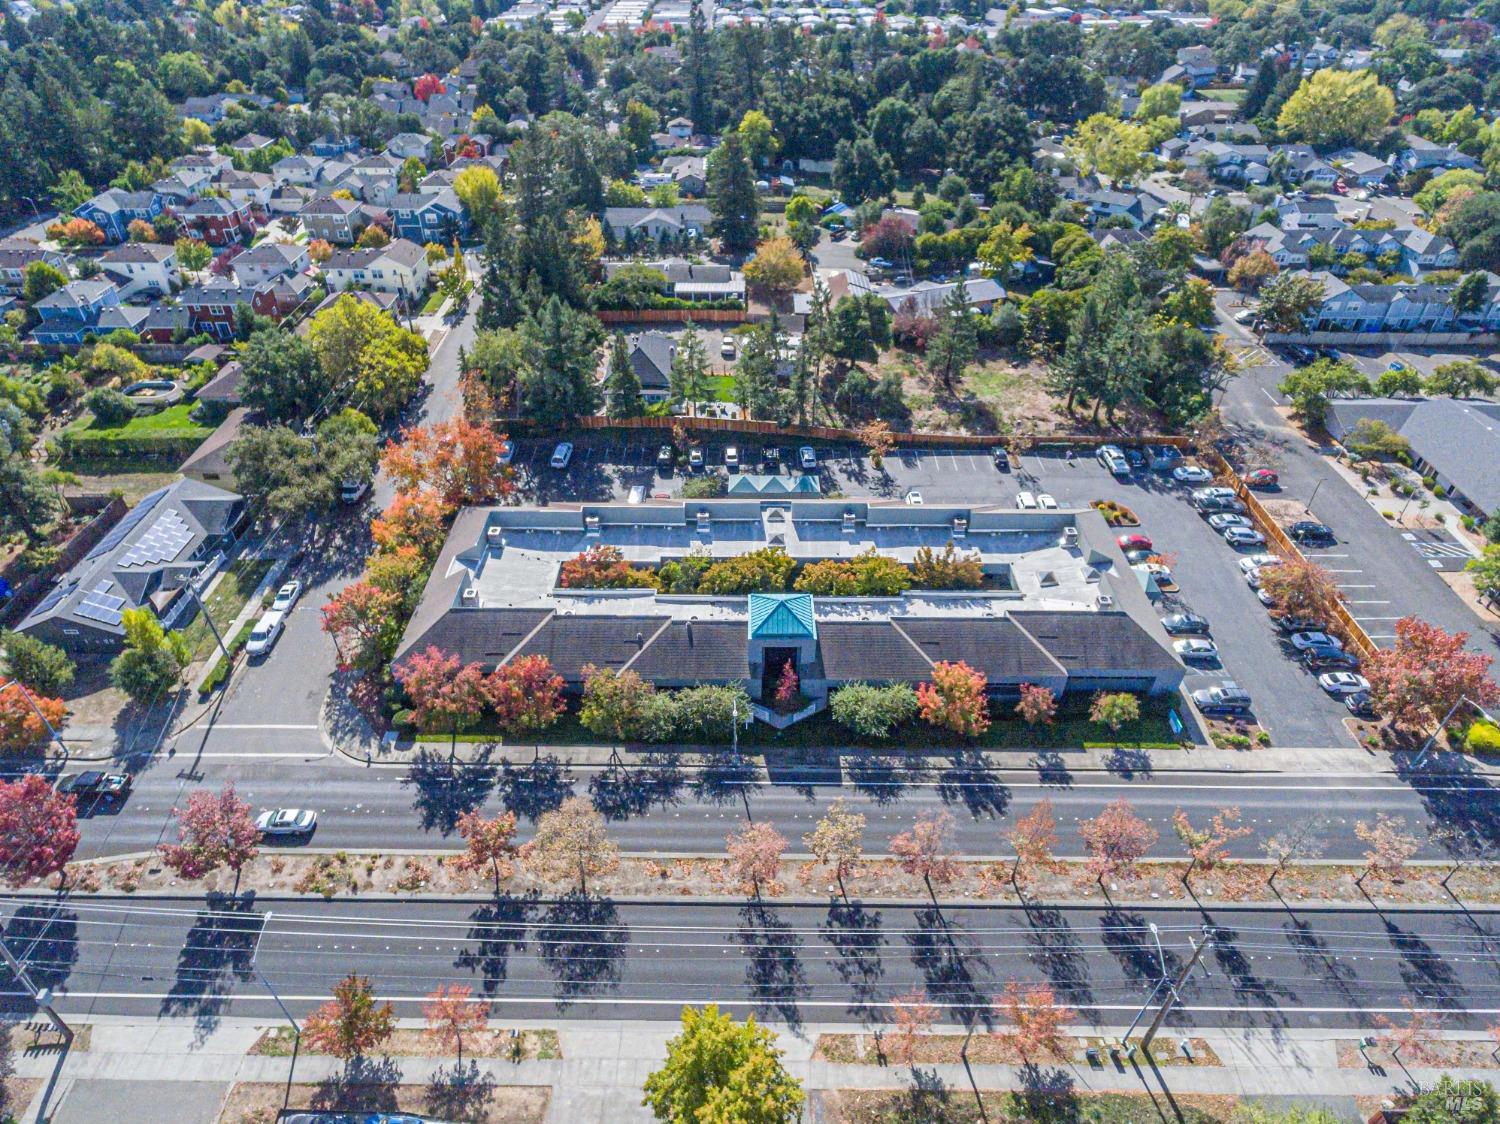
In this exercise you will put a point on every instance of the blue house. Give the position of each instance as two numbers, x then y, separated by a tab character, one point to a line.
328	146
114	210
72	312
434	217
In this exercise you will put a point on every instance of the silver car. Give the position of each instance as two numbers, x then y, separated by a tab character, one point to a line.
286	821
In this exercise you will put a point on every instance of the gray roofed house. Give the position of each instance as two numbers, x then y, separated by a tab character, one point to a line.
687	220
144	561
651	355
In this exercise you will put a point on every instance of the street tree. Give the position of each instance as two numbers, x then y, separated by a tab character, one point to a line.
956	699
281	375
352	1023
1418	1037
718	1070
1426	673
1115	709
878	440
460	461
1034	838
571	842
44	668
615	703
21	722
1298	843
914	1015
1207	847
416	519
370	358
838	840
454	1017
214	829
1286	300
365	621
527	695
152	659
444	692
926	850
1251	271
1117	839
38	829
1004	248
1116	149
489	843
1035	1020
754	854
1389	847
1038	705
1301	588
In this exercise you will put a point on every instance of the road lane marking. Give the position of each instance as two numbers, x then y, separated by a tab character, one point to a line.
1369	603
262	726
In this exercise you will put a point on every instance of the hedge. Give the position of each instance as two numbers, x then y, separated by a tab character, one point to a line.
665	304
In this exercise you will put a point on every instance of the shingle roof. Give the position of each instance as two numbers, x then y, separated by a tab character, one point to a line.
1084	641
856	651
573	641
484	636
695	651
1459	438
994	646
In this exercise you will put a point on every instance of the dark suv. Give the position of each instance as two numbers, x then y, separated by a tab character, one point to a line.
1325	657
1305	530
94	783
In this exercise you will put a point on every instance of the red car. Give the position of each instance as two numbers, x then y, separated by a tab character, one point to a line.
1262	478
1134	542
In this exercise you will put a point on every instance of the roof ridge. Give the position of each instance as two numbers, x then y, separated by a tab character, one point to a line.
1040	647
665	624
915	647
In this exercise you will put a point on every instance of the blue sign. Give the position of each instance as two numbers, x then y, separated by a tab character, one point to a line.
1175	722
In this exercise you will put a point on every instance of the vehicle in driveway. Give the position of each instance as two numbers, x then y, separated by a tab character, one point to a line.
1262	478
1305	530
1196	649
1324	658
1226	698
726	349
1361	705
1179	623
286	597
1245	316
1025	501
562	455
286	821
352	491
732	458
96	784
1133	541
807	457
1001	458
1226	519
1192	474
1304	640
637	494
1342	683
1243	536
666	457
264	635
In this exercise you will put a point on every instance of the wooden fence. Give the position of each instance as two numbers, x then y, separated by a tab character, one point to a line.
671	315
1347	626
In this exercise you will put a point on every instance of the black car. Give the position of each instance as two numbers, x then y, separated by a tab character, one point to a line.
1184	624
1360	704
770	459
666	456
1136	458
1305	530
1001	458
95	783
1325	657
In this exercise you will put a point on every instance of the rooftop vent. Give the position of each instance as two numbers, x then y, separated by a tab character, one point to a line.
591	525
494	534
1070	536
1106	601
471	594
1047	579
960	526
703	522
848	522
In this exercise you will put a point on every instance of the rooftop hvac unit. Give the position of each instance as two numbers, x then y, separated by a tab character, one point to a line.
1070	536
960	526
848	522
471	594
1106	601
703	522
591	525
494	534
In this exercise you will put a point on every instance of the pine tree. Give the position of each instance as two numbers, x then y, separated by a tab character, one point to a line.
500	303
755	377
622	386
557	385
956	343
697	68
732	198
688	379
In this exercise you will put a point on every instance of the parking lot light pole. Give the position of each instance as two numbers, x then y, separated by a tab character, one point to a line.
1307	509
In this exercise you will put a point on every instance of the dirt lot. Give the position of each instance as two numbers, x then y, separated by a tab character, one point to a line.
412	1043
987	1049
944	1106
477	1102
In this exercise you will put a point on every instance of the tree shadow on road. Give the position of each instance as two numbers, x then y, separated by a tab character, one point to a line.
583	942
536	788
1248	986
723	778
1129	939
882	779
44	938
444	791
1314	952
1058	954
1424	971
216	956
972	782
621	791
854	932
1051	769
1128	763
952	966
494	931
773	965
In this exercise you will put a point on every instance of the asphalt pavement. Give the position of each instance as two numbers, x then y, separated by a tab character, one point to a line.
586	958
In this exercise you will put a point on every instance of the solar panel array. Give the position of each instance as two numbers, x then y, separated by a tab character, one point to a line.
99	604
163	541
131	520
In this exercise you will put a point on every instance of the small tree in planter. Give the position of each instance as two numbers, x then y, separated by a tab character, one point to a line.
955	699
788	690
1038	705
1114	709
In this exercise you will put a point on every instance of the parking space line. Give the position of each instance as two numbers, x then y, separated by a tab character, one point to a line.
1346	571
1367	603
1352	585
1327	556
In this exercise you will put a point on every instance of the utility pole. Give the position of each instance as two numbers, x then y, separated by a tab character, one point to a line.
202	608
1172	997
42	997
25	694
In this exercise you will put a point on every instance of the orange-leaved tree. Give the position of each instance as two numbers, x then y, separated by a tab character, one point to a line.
1035	1019
490	843
460	461
1426	673
527	695
927	850
352	1023
956	699
755	854
455	1016
1117	839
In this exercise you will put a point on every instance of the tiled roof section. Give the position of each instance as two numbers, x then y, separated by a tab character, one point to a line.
695	651
1085	641
572	642
993	645
853	651
484	636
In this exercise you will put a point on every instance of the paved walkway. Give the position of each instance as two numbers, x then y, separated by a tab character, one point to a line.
604	1064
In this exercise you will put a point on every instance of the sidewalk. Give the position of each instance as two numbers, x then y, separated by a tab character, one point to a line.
604	1065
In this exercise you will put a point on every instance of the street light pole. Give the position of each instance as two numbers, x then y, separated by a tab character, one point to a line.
1172	998
202	608
42	997
1307	510
1443	725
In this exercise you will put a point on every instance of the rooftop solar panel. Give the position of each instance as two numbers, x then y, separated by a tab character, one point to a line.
162	541
131	520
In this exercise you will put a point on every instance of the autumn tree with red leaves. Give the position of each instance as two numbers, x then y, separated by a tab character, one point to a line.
1390	847
459	461
1038	705
365	622
1417	1038
38	829
1035	1019
215	829
914	1014
350	1024
455	1017
1301	588
755	854
490	843
427	85
1207	847
444	692
927	850
1034	838
20	725
414	519
1117	839
1427	672
602	567
955	699
527	695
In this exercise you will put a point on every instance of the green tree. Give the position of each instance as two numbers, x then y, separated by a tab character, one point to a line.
70	191
1452	1101
622	386
720	1070
557	383
276	467
688	379
861	171
1221	223
1402	382
152	659
1004	248
44	668
1462	378
1338	107
1286	300
759	136
478	189
1309	387
193	253
281	375
1115	149
362	351
640	124
41	279
755	374
1161	100
956	341
1486	570
1468	295
731	195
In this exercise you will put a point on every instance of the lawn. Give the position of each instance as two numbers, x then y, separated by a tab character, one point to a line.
224	603
720	388
174	421
431	304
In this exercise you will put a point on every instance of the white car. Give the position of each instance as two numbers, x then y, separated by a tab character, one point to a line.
732	457
286	597
1256	561
1265	598
1191	474
562	454
1226	519
1046	501
1195	648
807	457
637	494
286	821
1244	536
1245	316
914	498
264	635
1304	640
1255	576
1025	501
1341	684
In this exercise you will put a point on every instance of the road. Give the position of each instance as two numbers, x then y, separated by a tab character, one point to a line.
581	957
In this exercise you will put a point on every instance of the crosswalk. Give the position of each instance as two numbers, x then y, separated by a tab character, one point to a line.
1252	355
1441	550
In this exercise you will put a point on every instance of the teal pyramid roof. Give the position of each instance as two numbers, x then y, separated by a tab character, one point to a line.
784	615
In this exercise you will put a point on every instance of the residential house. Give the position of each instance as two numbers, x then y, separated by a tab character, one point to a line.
246	189
212	108
680	128
1361	169
403	146
251	142
270	259
142	267
685	222
692	281
165	323
1298	212
121	318
114	210
1417	307
210	462
179	188
333	219
300	169
1301	165
1139	208
1320	56
72	313
1198	65
651	356
223	390
1419	152
926	297
212	307
16	254
400	268
1248	162
423	218
329	146
290	198
689	173
217	220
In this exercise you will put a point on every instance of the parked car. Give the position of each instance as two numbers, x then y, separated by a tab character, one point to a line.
1262	478
666	457
1196	648
1265	598
1226	519
1134	541
286	597
807	457
1112	458
1179	623
1361	705
637	494
1046	502
1289	623
1001	458
1256	561
1244	536
1136	557
914	498
726	349
286	821
1304	640
1254	576
770	459
1191	474
1323	658
96	784
1306	530
1213	504
1342	683
352	491
695	459
732	458
562	454
264	635
1227	698
1135	458
1245	316
1211	495
1163	458
507	451
1025	501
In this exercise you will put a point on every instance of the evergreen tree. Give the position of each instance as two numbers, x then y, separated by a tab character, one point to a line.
697	69
688	379
622	386
800	390
956	342
500	301
557	383
755	377
732	198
